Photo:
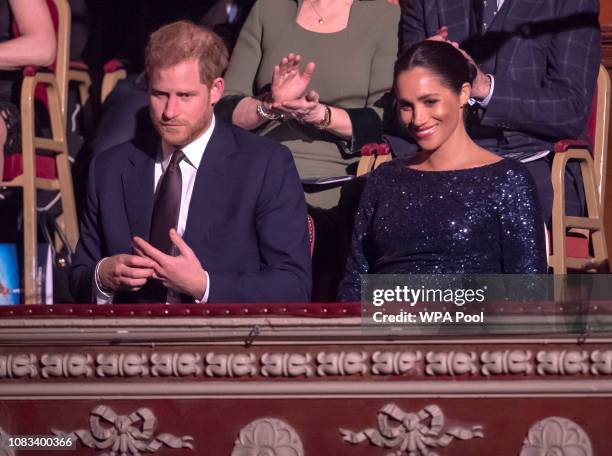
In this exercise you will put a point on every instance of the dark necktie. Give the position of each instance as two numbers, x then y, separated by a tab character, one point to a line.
489	9
167	205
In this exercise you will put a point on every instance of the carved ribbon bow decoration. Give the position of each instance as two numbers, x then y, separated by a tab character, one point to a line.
127	435
415	434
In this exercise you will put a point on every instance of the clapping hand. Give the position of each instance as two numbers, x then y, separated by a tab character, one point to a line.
182	273
288	83
306	109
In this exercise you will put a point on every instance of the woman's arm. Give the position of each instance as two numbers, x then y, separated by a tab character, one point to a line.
522	228
36	44
359	125
288	83
358	261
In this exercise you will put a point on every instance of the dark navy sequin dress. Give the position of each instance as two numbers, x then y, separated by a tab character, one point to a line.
483	220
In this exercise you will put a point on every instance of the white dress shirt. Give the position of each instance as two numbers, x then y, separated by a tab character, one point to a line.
194	152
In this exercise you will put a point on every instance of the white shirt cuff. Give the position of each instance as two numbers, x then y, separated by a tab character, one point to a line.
485	101
102	297
206	292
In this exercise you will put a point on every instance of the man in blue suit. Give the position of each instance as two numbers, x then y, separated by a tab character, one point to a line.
538	63
200	212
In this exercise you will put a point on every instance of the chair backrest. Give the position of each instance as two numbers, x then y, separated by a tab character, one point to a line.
60	12
598	126
60	15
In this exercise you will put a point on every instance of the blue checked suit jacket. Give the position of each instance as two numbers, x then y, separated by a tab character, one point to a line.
544	55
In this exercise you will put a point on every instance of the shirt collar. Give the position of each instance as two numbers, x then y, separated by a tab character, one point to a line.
194	151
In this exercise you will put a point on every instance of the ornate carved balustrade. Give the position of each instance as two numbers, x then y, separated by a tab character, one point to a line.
304	380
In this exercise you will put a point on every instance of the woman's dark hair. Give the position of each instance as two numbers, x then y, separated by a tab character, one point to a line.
439	57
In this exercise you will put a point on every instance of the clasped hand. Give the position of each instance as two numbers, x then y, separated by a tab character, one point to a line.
182	273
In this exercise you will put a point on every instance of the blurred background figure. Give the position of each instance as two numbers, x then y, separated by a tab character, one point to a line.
35	45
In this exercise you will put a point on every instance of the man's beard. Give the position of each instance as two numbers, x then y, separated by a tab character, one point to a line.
191	132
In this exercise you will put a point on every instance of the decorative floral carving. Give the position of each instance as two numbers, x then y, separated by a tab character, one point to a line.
124	435
563	362
343	363
268	437
602	362
415	433
506	362
4	448
451	363
122	365
286	365
18	366
396	363
66	365
175	364
555	436
232	365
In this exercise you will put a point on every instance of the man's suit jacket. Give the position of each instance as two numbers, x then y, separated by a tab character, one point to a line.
544	55
246	221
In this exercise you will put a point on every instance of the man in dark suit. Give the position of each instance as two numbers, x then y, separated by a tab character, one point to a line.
538	63
206	212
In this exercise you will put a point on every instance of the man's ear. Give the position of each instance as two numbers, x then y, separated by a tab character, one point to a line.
217	88
464	95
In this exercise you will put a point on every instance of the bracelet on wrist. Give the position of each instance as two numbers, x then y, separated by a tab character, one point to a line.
323	124
263	113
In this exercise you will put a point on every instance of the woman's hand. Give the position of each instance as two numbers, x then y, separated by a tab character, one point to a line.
288	83
306	109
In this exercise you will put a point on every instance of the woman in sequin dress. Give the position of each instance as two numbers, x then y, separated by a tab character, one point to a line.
455	208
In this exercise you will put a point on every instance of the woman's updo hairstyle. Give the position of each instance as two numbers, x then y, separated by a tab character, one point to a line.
439	57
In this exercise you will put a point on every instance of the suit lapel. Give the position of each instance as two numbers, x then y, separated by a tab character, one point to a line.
138	179
208	198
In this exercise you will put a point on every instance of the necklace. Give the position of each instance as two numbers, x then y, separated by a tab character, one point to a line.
320	21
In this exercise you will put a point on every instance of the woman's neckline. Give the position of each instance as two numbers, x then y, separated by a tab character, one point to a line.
301	3
472	168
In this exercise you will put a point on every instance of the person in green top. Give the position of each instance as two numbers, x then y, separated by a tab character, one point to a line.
325	110
350	47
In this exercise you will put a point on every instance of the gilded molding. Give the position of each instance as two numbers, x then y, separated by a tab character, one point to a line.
562	362
66	365
409	363
601	362
326	389
411	434
341	363
556	436
18	366
397	363
122	365
268	437
511	362
286	365
230	365
451	363
176	364
125	435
